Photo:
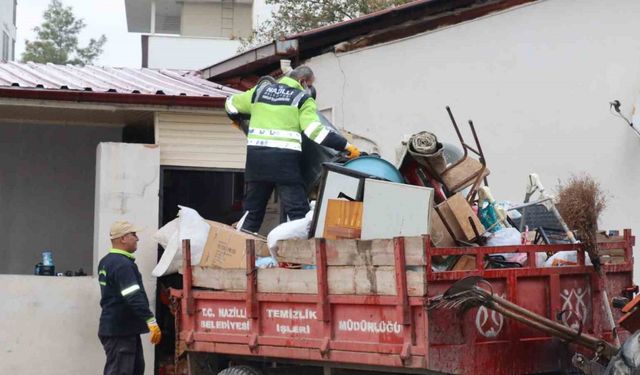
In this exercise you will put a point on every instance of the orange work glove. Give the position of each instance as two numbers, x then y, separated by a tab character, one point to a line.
156	334
352	151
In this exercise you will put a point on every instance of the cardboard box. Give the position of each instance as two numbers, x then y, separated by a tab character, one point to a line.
465	263
439	234
343	219
456	212
226	247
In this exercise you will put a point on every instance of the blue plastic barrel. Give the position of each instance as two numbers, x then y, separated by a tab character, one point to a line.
374	166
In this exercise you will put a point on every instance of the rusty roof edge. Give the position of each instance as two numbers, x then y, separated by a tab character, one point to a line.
231	64
111	97
310	41
427	23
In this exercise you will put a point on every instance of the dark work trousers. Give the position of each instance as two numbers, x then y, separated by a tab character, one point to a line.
292	196
124	355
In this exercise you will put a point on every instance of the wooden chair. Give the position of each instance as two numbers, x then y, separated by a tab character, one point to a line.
467	171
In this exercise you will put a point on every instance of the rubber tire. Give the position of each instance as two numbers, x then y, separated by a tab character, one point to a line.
240	370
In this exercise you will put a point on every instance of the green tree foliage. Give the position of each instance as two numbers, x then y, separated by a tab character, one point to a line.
57	39
294	16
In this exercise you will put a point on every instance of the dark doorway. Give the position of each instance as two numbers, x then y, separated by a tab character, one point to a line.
216	195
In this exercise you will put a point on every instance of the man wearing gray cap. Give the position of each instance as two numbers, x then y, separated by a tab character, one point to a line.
125	306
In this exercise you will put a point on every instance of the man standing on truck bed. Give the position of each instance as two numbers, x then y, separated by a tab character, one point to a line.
125	306
280	112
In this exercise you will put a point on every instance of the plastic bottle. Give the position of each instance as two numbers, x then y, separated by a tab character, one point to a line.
47	258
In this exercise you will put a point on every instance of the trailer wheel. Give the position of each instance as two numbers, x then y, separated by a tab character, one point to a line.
240	370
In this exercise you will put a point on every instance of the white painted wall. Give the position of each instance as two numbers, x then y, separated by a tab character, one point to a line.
181	52
536	80
127	188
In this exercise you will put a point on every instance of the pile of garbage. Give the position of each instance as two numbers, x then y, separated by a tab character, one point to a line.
435	188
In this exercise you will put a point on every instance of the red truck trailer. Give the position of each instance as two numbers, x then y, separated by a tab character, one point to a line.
251	332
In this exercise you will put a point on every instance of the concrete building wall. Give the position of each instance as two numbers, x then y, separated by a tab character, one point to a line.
50	325
7	29
47	190
127	188
180	52
216	19
201	19
242	20
536	80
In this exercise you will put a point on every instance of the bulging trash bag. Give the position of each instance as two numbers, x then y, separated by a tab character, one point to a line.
190	226
505	237
295	229
565	258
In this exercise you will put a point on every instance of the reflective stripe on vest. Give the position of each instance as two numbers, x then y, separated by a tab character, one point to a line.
274	143
284	135
316	132
126	291
228	104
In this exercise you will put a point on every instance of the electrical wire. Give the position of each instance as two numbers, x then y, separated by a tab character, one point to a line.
618	114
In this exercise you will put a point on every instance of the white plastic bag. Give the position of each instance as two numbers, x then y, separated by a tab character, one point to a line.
266	262
190	226
296	229
505	237
164	234
566	258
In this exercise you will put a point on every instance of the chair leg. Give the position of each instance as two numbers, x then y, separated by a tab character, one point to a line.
476	184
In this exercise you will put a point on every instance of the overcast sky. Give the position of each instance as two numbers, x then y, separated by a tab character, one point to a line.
102	17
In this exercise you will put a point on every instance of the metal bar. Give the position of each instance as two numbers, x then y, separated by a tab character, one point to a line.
554	294
512	295
426	246
403	310
252	281
505	249
590	342
324	306
425	337
455	126
187	278
538	319
629	241
475	138
252	295
323	284
526	272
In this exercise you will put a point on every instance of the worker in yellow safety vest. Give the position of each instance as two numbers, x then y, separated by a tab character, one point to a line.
281	114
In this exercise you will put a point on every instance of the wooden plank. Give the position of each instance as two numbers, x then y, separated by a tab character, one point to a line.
342	280
351	252
463	174
456	213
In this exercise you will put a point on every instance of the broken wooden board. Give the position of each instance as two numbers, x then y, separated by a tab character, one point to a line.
611	256
458	177
346	252
342	280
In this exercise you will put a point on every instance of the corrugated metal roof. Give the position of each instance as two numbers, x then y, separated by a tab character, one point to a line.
109	80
